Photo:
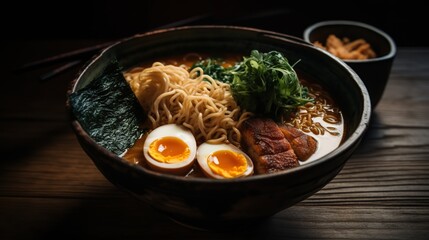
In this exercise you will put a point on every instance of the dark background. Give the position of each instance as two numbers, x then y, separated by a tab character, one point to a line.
116	19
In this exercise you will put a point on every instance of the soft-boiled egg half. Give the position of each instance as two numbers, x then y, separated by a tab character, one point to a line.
223	161
171	149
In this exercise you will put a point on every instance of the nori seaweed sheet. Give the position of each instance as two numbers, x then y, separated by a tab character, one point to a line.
108	110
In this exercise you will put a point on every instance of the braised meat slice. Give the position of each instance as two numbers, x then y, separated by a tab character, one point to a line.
276	162
302	144
266	145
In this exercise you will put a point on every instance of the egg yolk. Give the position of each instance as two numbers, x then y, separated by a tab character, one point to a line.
227	163
169	150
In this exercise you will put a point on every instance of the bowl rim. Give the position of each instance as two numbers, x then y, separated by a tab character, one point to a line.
348	143
386	36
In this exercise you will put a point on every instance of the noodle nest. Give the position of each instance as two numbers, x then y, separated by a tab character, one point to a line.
171	94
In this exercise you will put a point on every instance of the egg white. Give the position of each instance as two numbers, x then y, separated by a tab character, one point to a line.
171	130
206	149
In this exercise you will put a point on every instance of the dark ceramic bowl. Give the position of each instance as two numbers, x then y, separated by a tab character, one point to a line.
210	203
374	72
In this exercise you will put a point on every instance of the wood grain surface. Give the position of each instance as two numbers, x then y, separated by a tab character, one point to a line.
50	189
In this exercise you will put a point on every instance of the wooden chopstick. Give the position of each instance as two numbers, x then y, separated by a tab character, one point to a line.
59	70
89	51
83	52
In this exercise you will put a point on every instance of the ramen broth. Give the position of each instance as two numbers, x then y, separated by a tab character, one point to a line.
327	142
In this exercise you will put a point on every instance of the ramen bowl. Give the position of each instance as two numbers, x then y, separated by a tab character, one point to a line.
213	203
374	71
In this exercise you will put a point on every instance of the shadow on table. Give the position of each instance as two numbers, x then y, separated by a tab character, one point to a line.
123	217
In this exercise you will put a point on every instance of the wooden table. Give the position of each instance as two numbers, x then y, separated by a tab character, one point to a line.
49	188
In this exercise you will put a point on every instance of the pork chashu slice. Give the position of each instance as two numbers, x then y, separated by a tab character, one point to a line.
302	144
267	146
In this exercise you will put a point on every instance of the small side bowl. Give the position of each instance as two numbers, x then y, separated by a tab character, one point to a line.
374	72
